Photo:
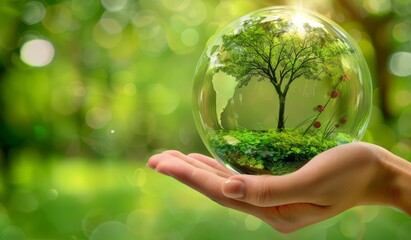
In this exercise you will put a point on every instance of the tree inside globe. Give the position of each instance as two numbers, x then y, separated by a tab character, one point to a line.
278	86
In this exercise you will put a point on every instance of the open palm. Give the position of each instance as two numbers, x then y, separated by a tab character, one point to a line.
338	179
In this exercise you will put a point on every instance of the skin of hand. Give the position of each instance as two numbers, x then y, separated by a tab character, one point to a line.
343	177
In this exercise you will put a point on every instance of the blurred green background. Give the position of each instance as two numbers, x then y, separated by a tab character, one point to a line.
90	89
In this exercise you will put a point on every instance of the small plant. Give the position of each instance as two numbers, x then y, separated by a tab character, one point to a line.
270	152
333	95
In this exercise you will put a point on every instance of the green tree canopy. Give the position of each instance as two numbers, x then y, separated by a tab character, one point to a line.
280	51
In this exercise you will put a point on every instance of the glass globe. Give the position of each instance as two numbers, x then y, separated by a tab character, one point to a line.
278	86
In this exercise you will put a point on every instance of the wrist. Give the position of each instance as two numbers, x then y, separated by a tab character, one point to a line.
398	187
403	185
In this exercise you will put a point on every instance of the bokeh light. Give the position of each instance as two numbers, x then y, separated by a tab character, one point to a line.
12	232
114	5
402	31
33	12
377	6
58	19
37	53
190	37
111	230
399	64
98	117
52	194
150	32
403	98
107	33
252	223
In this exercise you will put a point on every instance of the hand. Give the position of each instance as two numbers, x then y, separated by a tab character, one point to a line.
332	182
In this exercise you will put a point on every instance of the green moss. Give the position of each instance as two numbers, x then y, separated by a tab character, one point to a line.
270	152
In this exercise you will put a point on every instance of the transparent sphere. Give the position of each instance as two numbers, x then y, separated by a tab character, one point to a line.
278	86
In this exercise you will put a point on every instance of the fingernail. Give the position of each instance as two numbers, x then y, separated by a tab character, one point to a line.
233	189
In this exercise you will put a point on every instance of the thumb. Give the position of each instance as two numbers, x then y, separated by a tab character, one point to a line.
266	191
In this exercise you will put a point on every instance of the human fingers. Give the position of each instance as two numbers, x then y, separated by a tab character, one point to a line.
284	218
203	181
210	162
203	162
173	154
266	191
198	176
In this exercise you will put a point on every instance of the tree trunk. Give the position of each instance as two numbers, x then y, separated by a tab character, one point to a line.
281	112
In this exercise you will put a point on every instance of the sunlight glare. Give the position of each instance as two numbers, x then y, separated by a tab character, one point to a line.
299	21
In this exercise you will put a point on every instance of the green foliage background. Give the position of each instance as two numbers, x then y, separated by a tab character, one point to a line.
76	133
